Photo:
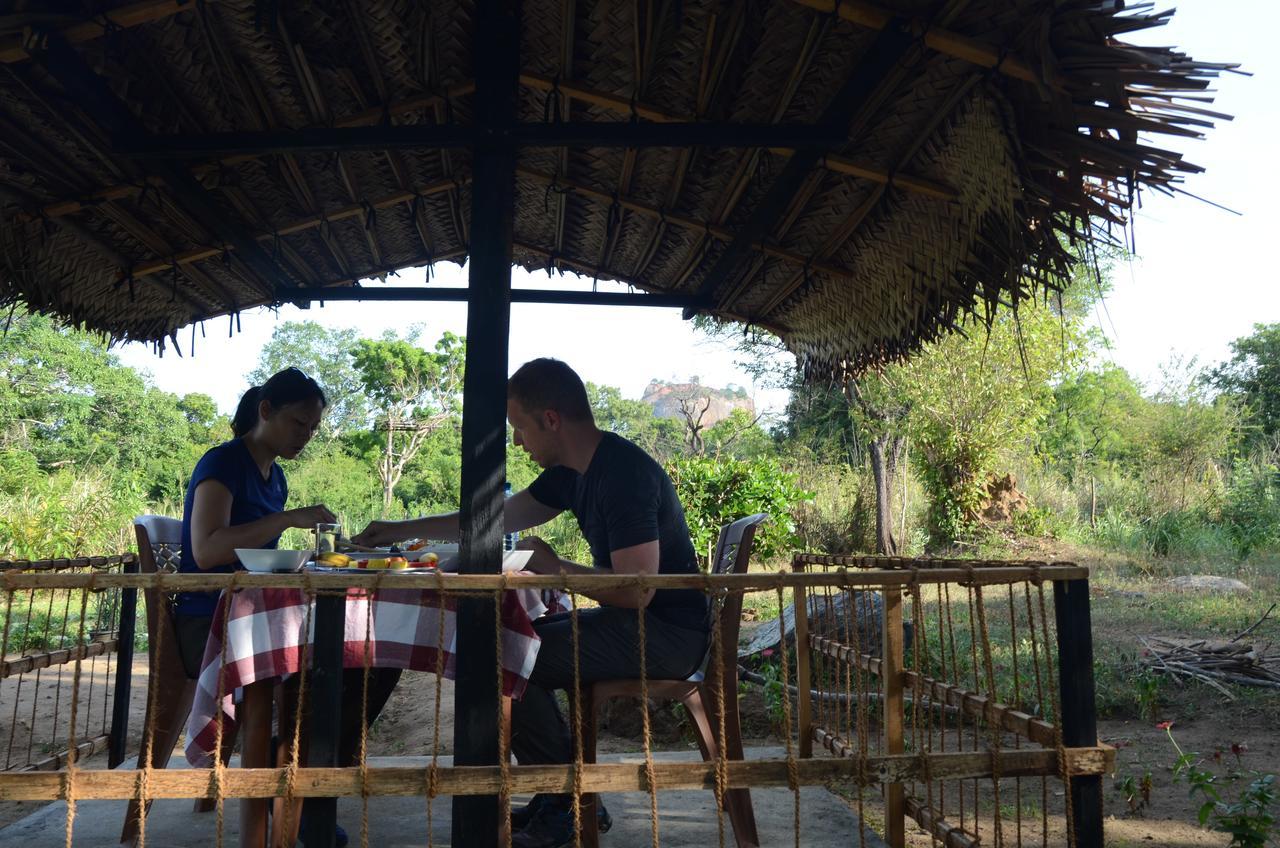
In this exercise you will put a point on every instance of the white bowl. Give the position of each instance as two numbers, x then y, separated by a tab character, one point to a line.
266	560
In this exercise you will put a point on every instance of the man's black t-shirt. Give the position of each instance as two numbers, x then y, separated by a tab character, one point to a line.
625	498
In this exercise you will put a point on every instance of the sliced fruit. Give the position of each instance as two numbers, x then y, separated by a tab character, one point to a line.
397	563
334	559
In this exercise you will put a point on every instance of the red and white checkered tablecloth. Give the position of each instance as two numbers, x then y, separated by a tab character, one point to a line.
265	640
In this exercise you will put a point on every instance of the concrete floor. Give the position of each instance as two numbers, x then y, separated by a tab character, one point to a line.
687	818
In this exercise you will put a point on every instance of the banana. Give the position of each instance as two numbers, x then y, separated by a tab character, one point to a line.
334	559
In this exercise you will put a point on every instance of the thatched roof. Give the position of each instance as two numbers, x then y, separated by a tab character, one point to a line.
970	152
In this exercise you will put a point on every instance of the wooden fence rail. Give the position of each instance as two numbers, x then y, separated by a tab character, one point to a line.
902	693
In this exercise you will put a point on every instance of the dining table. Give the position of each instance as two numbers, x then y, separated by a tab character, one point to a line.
263	636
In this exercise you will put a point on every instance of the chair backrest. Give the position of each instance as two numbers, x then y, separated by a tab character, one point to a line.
159	542
732	556
159	548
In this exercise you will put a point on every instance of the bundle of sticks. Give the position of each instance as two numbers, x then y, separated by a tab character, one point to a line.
1214	661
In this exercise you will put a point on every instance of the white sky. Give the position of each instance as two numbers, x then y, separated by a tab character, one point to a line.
1202	276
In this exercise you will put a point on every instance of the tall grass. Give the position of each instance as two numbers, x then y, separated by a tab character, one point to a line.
68	513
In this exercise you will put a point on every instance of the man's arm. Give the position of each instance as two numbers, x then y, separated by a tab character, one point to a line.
520	512
637	559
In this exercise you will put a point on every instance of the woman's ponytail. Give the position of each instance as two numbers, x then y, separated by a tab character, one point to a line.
246	417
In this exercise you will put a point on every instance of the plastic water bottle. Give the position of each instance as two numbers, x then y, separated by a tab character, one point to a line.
509	539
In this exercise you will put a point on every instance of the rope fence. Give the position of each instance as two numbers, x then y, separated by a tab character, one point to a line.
976	685
58	651
949	719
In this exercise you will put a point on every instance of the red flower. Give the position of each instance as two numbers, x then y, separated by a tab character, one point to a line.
766	653
1164	725
1239	749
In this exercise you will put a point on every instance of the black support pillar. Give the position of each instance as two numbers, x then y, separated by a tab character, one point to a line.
1079	711
125	632
484	431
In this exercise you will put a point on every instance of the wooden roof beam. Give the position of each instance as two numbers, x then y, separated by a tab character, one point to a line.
654	213
715	52
936	38
14	48
862	85
568	26
93	241
399	294
620	134
850	225
749	163
355	210
90	93
371	116
837	164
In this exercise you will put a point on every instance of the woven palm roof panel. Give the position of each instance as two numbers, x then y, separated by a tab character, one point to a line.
999	134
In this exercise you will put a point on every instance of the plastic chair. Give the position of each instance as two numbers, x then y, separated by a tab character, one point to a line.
168	689
700	694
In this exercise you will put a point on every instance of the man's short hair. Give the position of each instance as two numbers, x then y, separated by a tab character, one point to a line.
550	384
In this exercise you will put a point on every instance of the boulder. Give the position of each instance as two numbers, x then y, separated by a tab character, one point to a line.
1207	583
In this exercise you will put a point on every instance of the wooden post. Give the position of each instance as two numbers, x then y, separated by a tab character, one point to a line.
804	713
477	819
1079	718
326	711
891	668
116	748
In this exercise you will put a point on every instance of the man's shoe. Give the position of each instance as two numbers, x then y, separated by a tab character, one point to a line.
552	827
340	836
521	816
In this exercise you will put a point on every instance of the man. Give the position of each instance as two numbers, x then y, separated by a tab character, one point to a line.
627	508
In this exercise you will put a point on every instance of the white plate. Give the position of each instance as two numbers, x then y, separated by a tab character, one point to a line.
511	561
335	569
448	563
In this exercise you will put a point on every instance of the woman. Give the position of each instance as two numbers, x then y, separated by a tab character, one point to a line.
237	495
236	499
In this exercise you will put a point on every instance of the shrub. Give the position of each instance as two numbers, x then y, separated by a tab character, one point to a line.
716	492
1251	512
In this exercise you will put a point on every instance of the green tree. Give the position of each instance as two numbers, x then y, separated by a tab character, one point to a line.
738	436
326	355
1252	377
1186	439
66	400
974	397
818	423
1092	432
206	425
631	419
416	393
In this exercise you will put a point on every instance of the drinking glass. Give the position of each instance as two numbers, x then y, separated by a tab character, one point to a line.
327	536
